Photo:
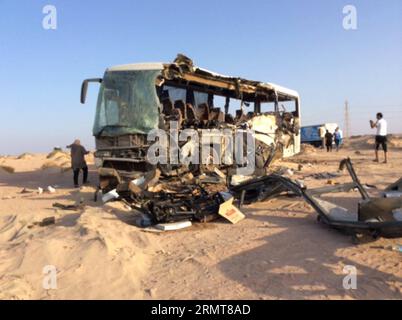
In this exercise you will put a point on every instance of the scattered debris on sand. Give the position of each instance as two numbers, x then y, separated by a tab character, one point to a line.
71	207
396	186
324	175
198	200
47	221
25	191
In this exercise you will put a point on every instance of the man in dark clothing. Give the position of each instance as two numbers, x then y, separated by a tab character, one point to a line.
78	163
329	140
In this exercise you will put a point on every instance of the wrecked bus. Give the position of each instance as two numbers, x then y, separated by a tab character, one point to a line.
136	99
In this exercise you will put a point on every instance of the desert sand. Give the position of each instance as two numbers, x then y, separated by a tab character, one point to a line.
279	251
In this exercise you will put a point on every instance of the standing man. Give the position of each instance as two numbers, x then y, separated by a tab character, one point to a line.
78	162
329	140
381	136
338	138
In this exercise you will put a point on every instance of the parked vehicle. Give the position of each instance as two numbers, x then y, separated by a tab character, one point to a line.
314	134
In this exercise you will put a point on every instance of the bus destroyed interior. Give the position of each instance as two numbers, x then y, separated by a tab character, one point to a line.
181	99
203	117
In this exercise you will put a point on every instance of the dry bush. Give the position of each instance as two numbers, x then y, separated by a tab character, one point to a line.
307	148
55	167
25	155
65	169
55	153
65	166
49	165
395	141
62	157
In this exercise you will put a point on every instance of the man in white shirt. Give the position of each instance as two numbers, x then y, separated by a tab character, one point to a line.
381	136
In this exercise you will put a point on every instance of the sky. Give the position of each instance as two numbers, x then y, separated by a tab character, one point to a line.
300	44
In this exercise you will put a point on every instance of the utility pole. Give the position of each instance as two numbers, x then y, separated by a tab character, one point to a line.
347	121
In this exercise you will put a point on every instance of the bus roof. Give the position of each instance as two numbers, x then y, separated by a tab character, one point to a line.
182	68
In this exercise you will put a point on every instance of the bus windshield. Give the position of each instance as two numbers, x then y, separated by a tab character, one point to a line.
127	103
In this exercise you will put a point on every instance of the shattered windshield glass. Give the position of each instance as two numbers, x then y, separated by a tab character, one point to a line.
127	103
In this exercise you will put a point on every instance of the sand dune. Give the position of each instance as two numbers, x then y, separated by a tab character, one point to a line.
368	142
93	253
